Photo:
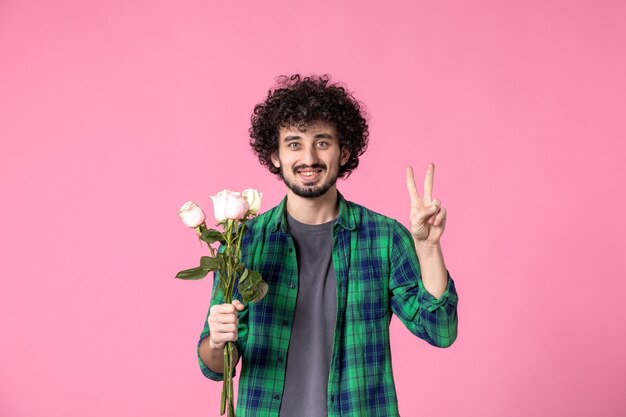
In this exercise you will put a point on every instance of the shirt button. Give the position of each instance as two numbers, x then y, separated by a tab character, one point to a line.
290	250
280	360
285	322
292	286
277	397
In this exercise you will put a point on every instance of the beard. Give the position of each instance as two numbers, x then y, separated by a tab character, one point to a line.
313	190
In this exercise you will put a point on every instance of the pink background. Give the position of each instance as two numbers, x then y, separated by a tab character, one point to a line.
113	113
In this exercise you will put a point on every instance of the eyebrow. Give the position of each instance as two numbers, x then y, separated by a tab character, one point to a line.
318	136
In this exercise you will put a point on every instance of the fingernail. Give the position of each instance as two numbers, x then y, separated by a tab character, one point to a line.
433	208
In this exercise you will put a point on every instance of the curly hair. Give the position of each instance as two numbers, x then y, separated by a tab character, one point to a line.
299	101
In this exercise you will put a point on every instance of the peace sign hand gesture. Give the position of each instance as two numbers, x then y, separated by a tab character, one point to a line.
427	218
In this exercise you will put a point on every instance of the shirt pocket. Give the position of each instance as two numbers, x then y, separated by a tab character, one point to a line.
367	294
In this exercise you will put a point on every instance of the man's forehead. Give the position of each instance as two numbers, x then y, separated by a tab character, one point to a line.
303	127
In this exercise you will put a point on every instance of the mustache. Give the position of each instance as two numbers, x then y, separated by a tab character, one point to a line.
314	166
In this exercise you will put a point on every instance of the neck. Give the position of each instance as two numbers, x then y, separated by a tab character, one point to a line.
317	210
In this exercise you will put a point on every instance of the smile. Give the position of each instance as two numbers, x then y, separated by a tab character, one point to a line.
309	174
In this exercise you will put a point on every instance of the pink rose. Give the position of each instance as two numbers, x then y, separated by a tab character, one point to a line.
191	214
229	205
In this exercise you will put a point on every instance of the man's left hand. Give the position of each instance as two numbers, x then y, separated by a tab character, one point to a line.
427	218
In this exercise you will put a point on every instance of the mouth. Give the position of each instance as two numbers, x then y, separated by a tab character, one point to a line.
309	175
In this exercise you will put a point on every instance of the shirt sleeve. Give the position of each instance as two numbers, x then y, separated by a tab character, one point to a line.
242	329
432	319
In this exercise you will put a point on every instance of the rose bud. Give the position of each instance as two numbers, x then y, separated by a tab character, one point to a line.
253	197
191	214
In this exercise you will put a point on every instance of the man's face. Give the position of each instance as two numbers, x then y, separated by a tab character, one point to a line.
309	159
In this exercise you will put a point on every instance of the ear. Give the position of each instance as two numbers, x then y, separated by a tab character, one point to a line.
275	160
345	155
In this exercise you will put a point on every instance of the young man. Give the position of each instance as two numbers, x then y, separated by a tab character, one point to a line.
318	343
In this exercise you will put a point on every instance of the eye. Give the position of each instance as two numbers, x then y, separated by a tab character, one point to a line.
293	145
322	144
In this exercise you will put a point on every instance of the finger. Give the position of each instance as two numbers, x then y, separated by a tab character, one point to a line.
221	338
220	319
433	210
223	309
428	183
440	219
228	328
412	188
238	305
431	219
221	328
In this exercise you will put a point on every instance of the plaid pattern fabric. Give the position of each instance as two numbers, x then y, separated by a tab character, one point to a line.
377	273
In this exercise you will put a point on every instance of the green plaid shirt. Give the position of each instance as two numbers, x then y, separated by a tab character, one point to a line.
377	273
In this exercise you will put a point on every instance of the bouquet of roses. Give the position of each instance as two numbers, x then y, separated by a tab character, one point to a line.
232	211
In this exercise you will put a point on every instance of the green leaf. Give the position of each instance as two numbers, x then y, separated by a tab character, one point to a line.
193	273
251	286
211	236
244	276
209	264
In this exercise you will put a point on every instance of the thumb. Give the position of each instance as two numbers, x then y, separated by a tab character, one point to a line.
238	305
421	215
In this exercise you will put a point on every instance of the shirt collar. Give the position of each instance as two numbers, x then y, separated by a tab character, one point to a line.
345	219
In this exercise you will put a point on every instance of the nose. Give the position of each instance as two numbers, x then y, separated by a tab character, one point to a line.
309	156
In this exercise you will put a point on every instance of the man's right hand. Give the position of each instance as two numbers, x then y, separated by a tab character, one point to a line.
223	323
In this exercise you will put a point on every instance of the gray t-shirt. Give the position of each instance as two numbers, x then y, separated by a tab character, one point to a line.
311	345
